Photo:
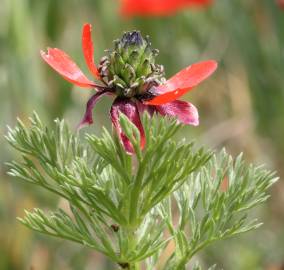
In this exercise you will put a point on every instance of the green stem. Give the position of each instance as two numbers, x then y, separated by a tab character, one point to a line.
182	263
132	243
134	266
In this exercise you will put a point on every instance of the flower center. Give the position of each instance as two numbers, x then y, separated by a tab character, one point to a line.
130	68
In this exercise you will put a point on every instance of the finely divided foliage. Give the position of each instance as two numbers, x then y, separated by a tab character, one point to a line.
122	205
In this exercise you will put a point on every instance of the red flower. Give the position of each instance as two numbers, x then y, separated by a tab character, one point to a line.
158	7
155	99
280	3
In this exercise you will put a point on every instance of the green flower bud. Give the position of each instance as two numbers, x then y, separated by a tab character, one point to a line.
130	68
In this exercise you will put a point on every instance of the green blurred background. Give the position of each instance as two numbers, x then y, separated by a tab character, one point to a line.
241	107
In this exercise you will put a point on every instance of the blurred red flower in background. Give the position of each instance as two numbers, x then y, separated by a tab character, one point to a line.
280	3
158	7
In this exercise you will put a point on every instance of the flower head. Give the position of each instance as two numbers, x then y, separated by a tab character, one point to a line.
130	68
158	7
129	73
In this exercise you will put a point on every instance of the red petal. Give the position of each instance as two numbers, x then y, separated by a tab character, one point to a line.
129	108
148	7
88	116
65	66
201	3
157	7
184	111
182	82
280	3
88	50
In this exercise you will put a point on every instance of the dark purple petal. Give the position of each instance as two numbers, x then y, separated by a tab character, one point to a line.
145	108
184	111
88	116
129	108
